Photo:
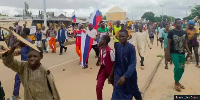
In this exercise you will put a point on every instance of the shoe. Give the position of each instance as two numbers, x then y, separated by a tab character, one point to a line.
66	49
46	51
60	53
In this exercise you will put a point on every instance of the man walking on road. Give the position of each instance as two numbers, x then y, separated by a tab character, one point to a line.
125	80
93	34
177	43
115	29
192	34
141	41
61	37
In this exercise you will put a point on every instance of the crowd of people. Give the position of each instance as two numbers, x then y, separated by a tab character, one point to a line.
118	65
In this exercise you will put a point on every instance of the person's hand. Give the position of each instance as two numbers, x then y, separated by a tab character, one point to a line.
111	79
121	80
66	40
97	64
190	55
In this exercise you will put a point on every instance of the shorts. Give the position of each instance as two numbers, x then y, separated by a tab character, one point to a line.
38	43
195	47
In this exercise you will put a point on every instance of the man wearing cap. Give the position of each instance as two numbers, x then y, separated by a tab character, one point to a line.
93	34
192	34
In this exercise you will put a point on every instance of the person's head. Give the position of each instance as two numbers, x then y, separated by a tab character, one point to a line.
52	28
80	26
61	26
43	27
104	40
191	24
25	32
102	24
122	24
167	26
178	23
90	26
19	28
140	26
118	23
123	35
34	57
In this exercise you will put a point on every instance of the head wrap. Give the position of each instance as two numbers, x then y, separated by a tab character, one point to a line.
191	22
90	24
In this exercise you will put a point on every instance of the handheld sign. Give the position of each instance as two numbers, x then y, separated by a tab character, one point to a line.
23	40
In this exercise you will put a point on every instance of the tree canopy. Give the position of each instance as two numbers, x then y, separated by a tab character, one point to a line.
195	11
151	17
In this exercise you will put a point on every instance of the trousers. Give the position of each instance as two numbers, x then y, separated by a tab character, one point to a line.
16	85
62	46
179	65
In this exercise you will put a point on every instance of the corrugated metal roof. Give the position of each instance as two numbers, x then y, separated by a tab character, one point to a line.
116	9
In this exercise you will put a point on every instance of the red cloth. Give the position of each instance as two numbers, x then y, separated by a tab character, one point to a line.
78	33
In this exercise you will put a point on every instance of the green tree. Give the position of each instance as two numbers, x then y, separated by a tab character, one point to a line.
104	17
149	16
194	12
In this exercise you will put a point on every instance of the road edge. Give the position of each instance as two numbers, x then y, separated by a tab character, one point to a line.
147	84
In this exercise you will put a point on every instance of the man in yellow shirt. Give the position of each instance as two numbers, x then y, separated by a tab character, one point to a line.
116	28
192	34
123	27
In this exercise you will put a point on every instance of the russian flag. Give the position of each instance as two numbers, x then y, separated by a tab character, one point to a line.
86	45
95	18
74	17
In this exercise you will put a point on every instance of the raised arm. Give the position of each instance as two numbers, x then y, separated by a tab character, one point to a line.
10	62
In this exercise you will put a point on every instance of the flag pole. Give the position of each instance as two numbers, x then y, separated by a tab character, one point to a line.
45	15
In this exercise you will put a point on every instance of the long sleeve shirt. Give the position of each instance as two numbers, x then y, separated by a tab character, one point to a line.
141	41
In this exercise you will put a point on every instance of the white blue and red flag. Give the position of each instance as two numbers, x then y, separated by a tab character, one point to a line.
86	45
74	17
95	18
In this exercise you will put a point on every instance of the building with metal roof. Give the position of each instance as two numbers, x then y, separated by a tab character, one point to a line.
116	13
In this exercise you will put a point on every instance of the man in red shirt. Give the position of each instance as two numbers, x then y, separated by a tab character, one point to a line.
77	34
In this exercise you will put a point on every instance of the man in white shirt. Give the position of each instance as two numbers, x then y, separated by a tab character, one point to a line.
44	37
93	34
159	33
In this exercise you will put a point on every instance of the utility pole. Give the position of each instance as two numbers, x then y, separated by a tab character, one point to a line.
190	10
162	10
65	14
132	15
44	13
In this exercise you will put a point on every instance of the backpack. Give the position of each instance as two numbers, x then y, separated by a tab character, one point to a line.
2	94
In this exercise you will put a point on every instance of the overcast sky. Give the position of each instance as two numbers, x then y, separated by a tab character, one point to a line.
83	8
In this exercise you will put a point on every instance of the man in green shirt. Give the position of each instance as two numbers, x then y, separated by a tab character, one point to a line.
164	36
102	30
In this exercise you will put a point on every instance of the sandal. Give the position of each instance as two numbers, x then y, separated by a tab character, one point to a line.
14	98
181	86
166	67
177	88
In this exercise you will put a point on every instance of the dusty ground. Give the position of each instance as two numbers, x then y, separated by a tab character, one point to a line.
162	86
75	83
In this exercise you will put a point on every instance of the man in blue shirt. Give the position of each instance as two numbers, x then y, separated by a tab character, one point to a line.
24	57
125	81
61	37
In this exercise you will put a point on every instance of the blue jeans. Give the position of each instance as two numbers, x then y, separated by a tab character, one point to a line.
17	85
43	43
